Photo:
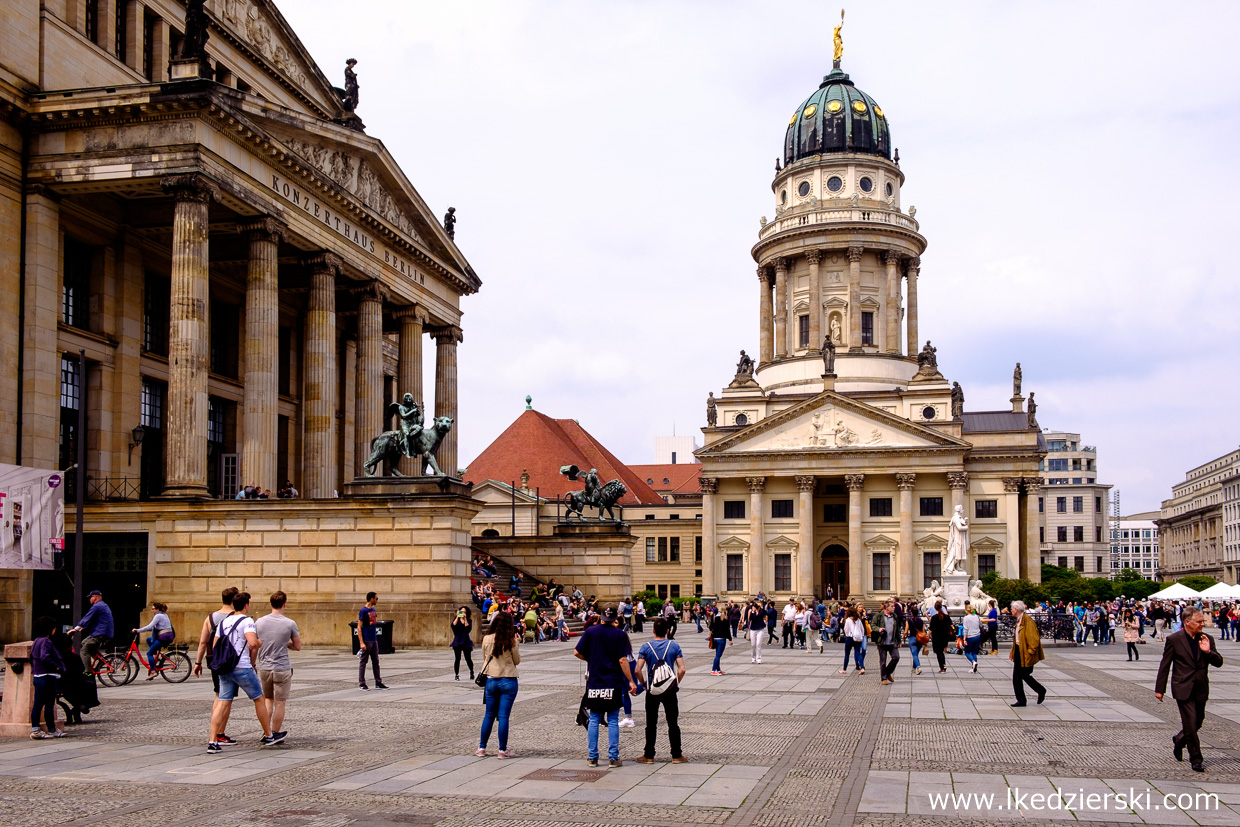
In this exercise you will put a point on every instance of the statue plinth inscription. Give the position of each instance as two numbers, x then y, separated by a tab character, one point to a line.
955	591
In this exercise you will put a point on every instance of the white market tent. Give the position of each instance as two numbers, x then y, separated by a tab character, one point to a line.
1221	590
1175	591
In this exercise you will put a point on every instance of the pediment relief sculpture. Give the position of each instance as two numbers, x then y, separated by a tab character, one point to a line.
248	21
828	429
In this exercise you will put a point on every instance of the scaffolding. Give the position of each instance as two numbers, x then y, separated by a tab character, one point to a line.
1115	535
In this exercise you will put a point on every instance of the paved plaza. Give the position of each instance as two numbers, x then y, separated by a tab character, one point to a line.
787	742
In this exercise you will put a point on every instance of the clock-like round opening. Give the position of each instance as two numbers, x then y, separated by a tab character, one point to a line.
803	189
741	419
927	412
835	183
866	185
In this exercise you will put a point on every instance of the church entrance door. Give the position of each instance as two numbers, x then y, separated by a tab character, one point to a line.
835	571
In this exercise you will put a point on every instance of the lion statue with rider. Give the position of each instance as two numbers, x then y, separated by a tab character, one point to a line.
411	439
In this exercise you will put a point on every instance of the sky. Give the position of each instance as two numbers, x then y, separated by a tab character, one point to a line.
1071	164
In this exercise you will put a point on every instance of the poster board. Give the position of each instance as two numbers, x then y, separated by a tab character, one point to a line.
32	517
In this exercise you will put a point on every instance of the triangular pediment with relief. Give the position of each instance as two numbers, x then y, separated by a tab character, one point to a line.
831	422
734	544
259	27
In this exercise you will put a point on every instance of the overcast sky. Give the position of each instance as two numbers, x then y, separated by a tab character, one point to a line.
1073	167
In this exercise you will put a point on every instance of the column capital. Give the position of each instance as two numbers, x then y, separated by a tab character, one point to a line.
905	482
1032	484
415	314
447	333
43	191
813	256
709	485
958	479
325	262
372	291
913	265
854	253
806	483
765	272
756	484
855	482
1011	485
891	257
192	186
264	228
780	263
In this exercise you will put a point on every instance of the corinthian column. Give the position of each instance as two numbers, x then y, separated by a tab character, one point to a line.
709	486
814	257
320	389
905	556
1011	515
805	541
409	368
781	308
1031	563
262	353
446	340
856	585
368	389
892	260
958	482
765	314
854	299
910	313
757	548
188	336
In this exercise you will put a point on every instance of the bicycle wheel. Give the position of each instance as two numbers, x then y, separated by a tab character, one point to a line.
175	667
132	667
115	670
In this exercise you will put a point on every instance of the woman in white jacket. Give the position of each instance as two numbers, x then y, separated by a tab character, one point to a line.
854	636
972	626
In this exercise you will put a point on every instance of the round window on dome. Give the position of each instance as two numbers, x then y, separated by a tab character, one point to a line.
834	107
859	106
809	111
741	419
890	189
927	412
878	110
783	197
835	183
793	119
803	189
866	184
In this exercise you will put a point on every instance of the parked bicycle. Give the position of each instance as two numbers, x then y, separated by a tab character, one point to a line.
173	666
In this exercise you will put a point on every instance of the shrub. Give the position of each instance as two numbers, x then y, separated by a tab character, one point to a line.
1197	582
653	606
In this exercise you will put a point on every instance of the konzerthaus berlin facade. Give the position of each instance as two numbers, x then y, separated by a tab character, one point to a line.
251	278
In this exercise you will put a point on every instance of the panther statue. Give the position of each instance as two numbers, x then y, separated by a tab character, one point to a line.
390	446
608	497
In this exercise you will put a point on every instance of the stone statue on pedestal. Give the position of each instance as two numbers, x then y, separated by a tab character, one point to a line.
1033	411
350	98
957	543
957	401
744	367
712	411
928	357
828	357
409	439
1016	376
602	497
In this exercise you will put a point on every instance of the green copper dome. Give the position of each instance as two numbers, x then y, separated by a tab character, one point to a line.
838	117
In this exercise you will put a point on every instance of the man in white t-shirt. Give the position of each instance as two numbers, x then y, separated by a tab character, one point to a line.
277	634
790	616
238	630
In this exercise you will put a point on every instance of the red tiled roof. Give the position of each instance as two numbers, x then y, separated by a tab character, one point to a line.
539	445
681	478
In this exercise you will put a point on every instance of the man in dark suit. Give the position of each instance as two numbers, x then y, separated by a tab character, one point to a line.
1193	653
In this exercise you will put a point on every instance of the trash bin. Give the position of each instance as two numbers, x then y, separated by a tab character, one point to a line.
383	631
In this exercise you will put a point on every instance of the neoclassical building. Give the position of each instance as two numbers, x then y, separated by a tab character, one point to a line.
214	258
837	465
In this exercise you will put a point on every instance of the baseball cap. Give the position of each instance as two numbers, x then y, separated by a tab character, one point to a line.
95	593
611	613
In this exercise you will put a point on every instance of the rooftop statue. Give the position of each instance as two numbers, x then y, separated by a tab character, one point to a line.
449	222
928	358
712	412
957	401
828	357
1033	411
1016	376
744	367
350	97
838	41
194	42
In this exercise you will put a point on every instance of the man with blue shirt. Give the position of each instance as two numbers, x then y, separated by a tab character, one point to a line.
652	653
605	648
368	643
96	628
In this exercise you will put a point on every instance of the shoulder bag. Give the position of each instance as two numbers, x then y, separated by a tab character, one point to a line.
661	677
481	679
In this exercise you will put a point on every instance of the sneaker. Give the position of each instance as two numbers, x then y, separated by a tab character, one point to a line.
680	760
715	672
614	763
917	671
224	741
644	760
506	753
974	669
458	677
628	723
363	687
381	685
60	733
38	735
591	762
213	748
266	740
277	737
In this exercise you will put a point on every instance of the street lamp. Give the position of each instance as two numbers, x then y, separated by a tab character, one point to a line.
137	433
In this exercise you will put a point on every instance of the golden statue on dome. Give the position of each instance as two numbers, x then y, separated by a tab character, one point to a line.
839	42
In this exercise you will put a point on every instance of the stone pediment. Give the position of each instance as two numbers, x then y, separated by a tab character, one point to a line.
492	493
782	542
734	544
831	422
985	545
881	542
932	542
259	26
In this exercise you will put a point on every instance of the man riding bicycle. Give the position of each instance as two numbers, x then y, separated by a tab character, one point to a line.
96	627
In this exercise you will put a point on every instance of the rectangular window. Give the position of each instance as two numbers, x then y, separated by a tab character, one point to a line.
783	572
662	549
835	513
1078	533
225	321
122	32
1097	534
1098	504
931	568
1076	465
152	403
733	509
867	328
156	302
70	399
663	591
1040	505
1041	534
215	420
1076	480
803	330
985	564
148	43
1097	564
75	292
986	509
284	381
1063	562
675	591
1061	505
781	509
90	26
697	549
674	550
882	572
1078	505
1078	563
1061	534
880	506
932	506
736	572
1057	464
650	550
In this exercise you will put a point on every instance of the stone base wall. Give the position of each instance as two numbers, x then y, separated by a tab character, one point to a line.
412	549
16	599
594	557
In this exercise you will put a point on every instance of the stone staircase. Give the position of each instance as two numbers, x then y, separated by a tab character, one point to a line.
503	576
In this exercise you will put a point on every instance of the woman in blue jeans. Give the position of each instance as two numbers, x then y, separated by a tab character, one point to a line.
501	654
46	667
721	634
162	635
915	625
971	629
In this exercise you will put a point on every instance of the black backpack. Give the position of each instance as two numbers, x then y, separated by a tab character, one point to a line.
224	656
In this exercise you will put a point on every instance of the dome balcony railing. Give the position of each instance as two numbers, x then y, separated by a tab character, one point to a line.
793	220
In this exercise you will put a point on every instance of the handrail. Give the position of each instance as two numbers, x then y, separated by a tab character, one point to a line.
834	215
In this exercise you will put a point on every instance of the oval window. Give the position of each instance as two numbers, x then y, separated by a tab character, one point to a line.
866	184
793	119
741	419
834	107
878	110
803	189
783	197
859	106
927	412
809	111
890	189
835	183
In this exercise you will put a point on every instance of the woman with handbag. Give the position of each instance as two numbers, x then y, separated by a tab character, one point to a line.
720	635
755	627
162	635
942	631
462	641
854	635
917	637
501	649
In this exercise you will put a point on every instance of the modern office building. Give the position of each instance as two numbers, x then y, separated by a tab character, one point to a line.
1134	545
1074	527
1192	521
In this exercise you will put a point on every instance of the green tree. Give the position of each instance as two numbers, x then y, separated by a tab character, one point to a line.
1139	589
1130	575
1197	582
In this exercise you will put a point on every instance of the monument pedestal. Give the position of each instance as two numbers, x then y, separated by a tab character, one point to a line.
19	693
955	592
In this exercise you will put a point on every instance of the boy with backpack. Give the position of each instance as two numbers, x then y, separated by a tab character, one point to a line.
205	639
233	653
658	657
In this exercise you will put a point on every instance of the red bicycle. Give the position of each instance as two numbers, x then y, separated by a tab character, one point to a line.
174	666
